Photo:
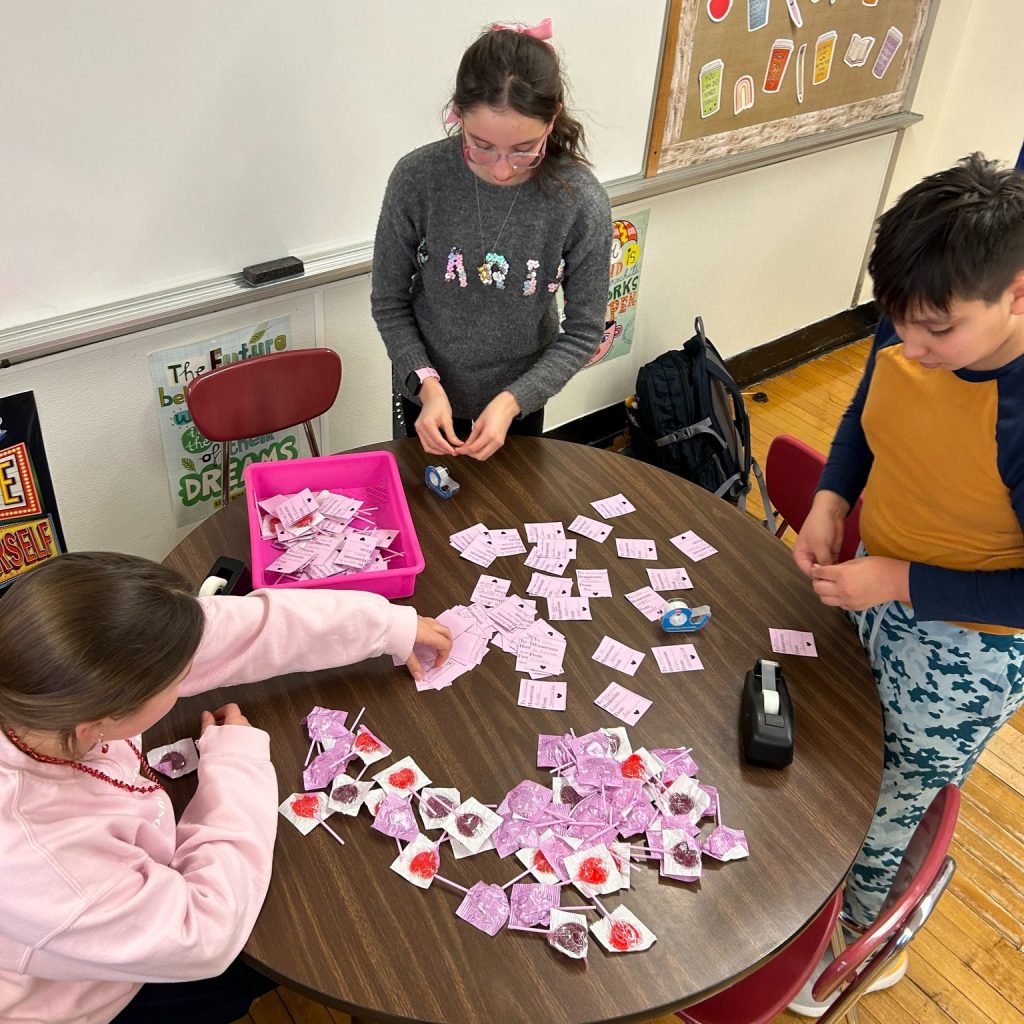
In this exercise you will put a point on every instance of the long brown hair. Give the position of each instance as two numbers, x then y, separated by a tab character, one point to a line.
505	69
92	635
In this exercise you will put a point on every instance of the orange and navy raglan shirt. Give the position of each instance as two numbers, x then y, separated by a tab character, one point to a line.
940	457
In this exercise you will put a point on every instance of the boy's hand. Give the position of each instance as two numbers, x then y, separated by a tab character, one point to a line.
491	426
227	715
430	633
862	582
434	423
821	536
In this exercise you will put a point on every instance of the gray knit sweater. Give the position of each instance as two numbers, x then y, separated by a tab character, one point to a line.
432	307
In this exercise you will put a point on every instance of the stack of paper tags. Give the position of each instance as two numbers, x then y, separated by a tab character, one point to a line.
324	534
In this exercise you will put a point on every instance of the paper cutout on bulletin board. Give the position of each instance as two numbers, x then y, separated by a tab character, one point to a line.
193	462
629	238
30	530
859	58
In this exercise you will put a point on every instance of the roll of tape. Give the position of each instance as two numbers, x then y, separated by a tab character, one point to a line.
212	585
771	701
673	614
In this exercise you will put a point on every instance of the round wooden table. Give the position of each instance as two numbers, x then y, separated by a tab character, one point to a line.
340	926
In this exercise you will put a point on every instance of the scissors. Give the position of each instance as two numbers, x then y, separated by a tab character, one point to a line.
440	482
680	618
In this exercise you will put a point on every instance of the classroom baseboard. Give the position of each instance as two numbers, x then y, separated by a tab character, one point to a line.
797	347
601	427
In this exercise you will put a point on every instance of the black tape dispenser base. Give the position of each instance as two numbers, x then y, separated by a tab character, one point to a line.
226	576
766	717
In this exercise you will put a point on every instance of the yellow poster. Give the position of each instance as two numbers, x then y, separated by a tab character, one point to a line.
24	545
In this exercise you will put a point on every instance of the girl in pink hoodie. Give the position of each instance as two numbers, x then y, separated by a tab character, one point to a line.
101	890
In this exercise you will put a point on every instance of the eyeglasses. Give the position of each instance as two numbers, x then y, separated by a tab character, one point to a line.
490	157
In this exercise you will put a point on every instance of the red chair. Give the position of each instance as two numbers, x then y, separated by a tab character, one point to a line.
922	877
260	395
792	471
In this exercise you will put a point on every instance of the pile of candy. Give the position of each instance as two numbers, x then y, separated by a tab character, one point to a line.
324	534
572	832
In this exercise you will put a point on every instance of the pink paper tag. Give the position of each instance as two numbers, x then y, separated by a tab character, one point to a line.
690	544
625	705
636	547
677	658
649	603
593	583
669	579
563	608
490	590
618	656
590	528
535	531
542	694
792	641
616	505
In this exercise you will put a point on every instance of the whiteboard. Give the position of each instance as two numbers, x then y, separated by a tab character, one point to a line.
149	145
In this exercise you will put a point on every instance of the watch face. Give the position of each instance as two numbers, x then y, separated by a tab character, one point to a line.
413	383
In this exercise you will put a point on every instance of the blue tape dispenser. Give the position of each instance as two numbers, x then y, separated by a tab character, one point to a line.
679	617
440	482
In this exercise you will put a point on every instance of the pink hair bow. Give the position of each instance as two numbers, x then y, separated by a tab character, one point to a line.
542	30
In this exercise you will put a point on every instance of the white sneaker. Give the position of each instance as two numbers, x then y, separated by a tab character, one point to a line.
807	1006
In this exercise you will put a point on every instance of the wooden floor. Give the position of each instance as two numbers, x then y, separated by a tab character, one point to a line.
968	964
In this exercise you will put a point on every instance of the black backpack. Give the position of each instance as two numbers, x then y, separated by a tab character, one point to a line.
688	417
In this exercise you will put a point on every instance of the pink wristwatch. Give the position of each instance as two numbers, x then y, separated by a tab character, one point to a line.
415	379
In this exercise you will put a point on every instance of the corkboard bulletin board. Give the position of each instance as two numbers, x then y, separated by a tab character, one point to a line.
850	61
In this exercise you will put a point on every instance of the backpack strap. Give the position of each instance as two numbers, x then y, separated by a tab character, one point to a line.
724	489
701	427
741	420
770	520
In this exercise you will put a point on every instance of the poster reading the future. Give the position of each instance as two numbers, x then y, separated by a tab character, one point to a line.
629	237
30	531
193	462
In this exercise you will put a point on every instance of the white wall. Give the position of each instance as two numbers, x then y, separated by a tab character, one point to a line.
757	255
971	93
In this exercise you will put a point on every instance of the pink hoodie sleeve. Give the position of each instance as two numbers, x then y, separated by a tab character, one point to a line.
187	918
267	633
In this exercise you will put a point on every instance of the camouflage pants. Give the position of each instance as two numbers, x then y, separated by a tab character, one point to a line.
945	691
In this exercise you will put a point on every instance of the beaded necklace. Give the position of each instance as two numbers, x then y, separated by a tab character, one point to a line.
94	772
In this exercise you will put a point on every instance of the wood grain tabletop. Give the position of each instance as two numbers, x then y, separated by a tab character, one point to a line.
339	925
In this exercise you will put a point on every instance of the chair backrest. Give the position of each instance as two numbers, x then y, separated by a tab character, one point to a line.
792	471
923	874
763	994
263	394
267	393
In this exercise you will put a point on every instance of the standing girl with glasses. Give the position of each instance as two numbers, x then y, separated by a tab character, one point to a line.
110	909
476	234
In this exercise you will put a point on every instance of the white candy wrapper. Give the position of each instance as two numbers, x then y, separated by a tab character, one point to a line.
174	759
472	824
623	932
305	810
418	862
568	934
348	795
593	871
402	778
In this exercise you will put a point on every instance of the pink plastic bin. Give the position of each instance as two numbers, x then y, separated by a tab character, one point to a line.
370	476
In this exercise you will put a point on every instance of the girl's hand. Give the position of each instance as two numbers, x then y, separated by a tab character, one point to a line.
862	582
227	715
434	423
491	427
821	536
430	633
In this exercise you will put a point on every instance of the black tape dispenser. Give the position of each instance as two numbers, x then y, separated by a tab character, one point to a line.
226	576
766	717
